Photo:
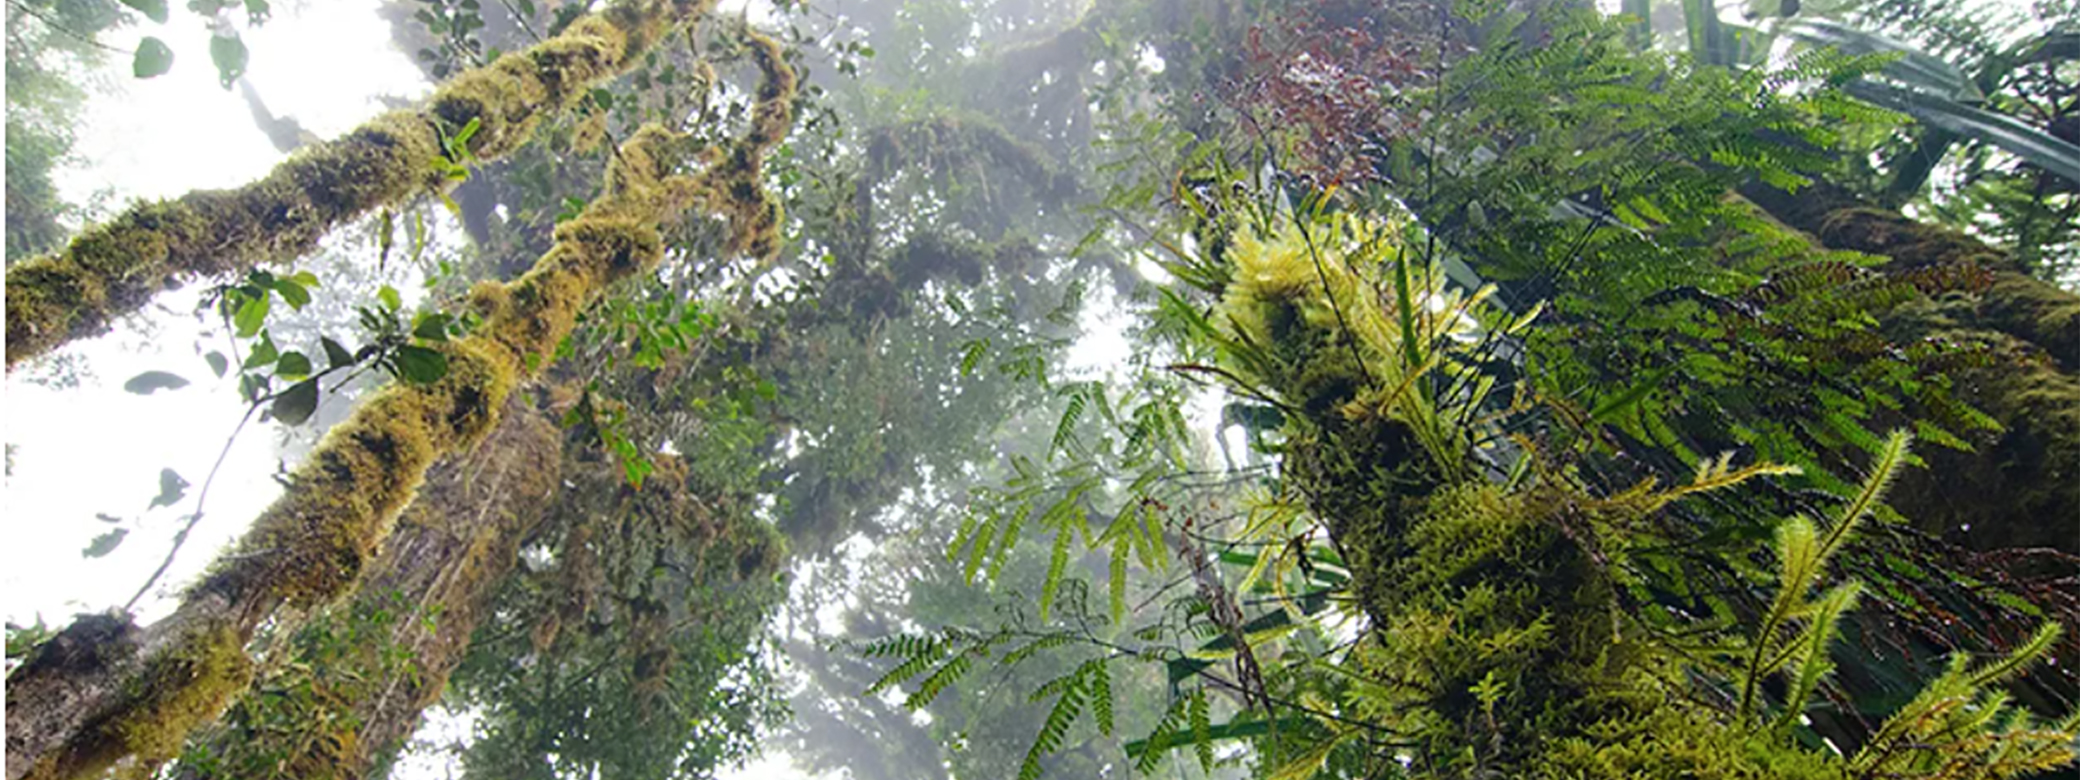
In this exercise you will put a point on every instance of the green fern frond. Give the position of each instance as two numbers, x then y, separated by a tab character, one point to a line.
1199	712
1056	727
1101	694
946	675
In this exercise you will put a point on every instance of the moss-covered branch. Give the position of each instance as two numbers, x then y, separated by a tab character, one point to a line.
115	268
2017	304
141	696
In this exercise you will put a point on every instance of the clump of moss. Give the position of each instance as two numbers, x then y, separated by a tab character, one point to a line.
181	689
735	184
2041	312
113	269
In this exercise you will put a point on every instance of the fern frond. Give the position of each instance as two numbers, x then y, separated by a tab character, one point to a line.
1199	712
1101	694
916	663
1056	727
946	675
1056	563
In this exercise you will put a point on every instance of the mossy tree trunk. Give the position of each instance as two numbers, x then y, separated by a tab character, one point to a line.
354	687
2022	489
107	691
114	268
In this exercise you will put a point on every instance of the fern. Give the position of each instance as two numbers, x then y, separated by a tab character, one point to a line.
1199	713
1101	694
946	675
1056	727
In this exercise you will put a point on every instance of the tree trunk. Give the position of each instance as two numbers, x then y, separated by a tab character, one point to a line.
427	591
2023	488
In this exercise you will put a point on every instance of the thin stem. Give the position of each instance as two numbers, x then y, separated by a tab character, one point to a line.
201	498
60	27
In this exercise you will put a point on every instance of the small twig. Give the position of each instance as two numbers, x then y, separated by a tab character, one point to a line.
69	32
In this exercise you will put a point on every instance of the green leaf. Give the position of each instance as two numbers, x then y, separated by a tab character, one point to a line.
2041	148
292	292
336	354
432	326
151	382
229	54
217	362
258	11
264	353
105	543
154	10
292	365
171	489
388	295
421	365
251	315
296	404
153	58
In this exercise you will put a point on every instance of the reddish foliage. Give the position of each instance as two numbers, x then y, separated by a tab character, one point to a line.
1330	88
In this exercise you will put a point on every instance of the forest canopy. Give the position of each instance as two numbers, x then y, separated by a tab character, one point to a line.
891	389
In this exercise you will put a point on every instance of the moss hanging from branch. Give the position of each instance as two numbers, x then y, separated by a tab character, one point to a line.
309	547
115	268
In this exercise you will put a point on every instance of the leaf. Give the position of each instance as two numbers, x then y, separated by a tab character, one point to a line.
1056	563
263	353
421	365
296	404
1913	67
229	54
336	354
292	292
388	295
2038	147
432	326
154	10
1617	404
251	315
171	489
217	362
971	355
292	365
105	543
151	382
153	58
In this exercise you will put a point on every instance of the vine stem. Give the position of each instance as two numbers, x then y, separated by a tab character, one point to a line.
201	497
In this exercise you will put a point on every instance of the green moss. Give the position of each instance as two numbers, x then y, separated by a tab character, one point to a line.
2035	310
181	689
